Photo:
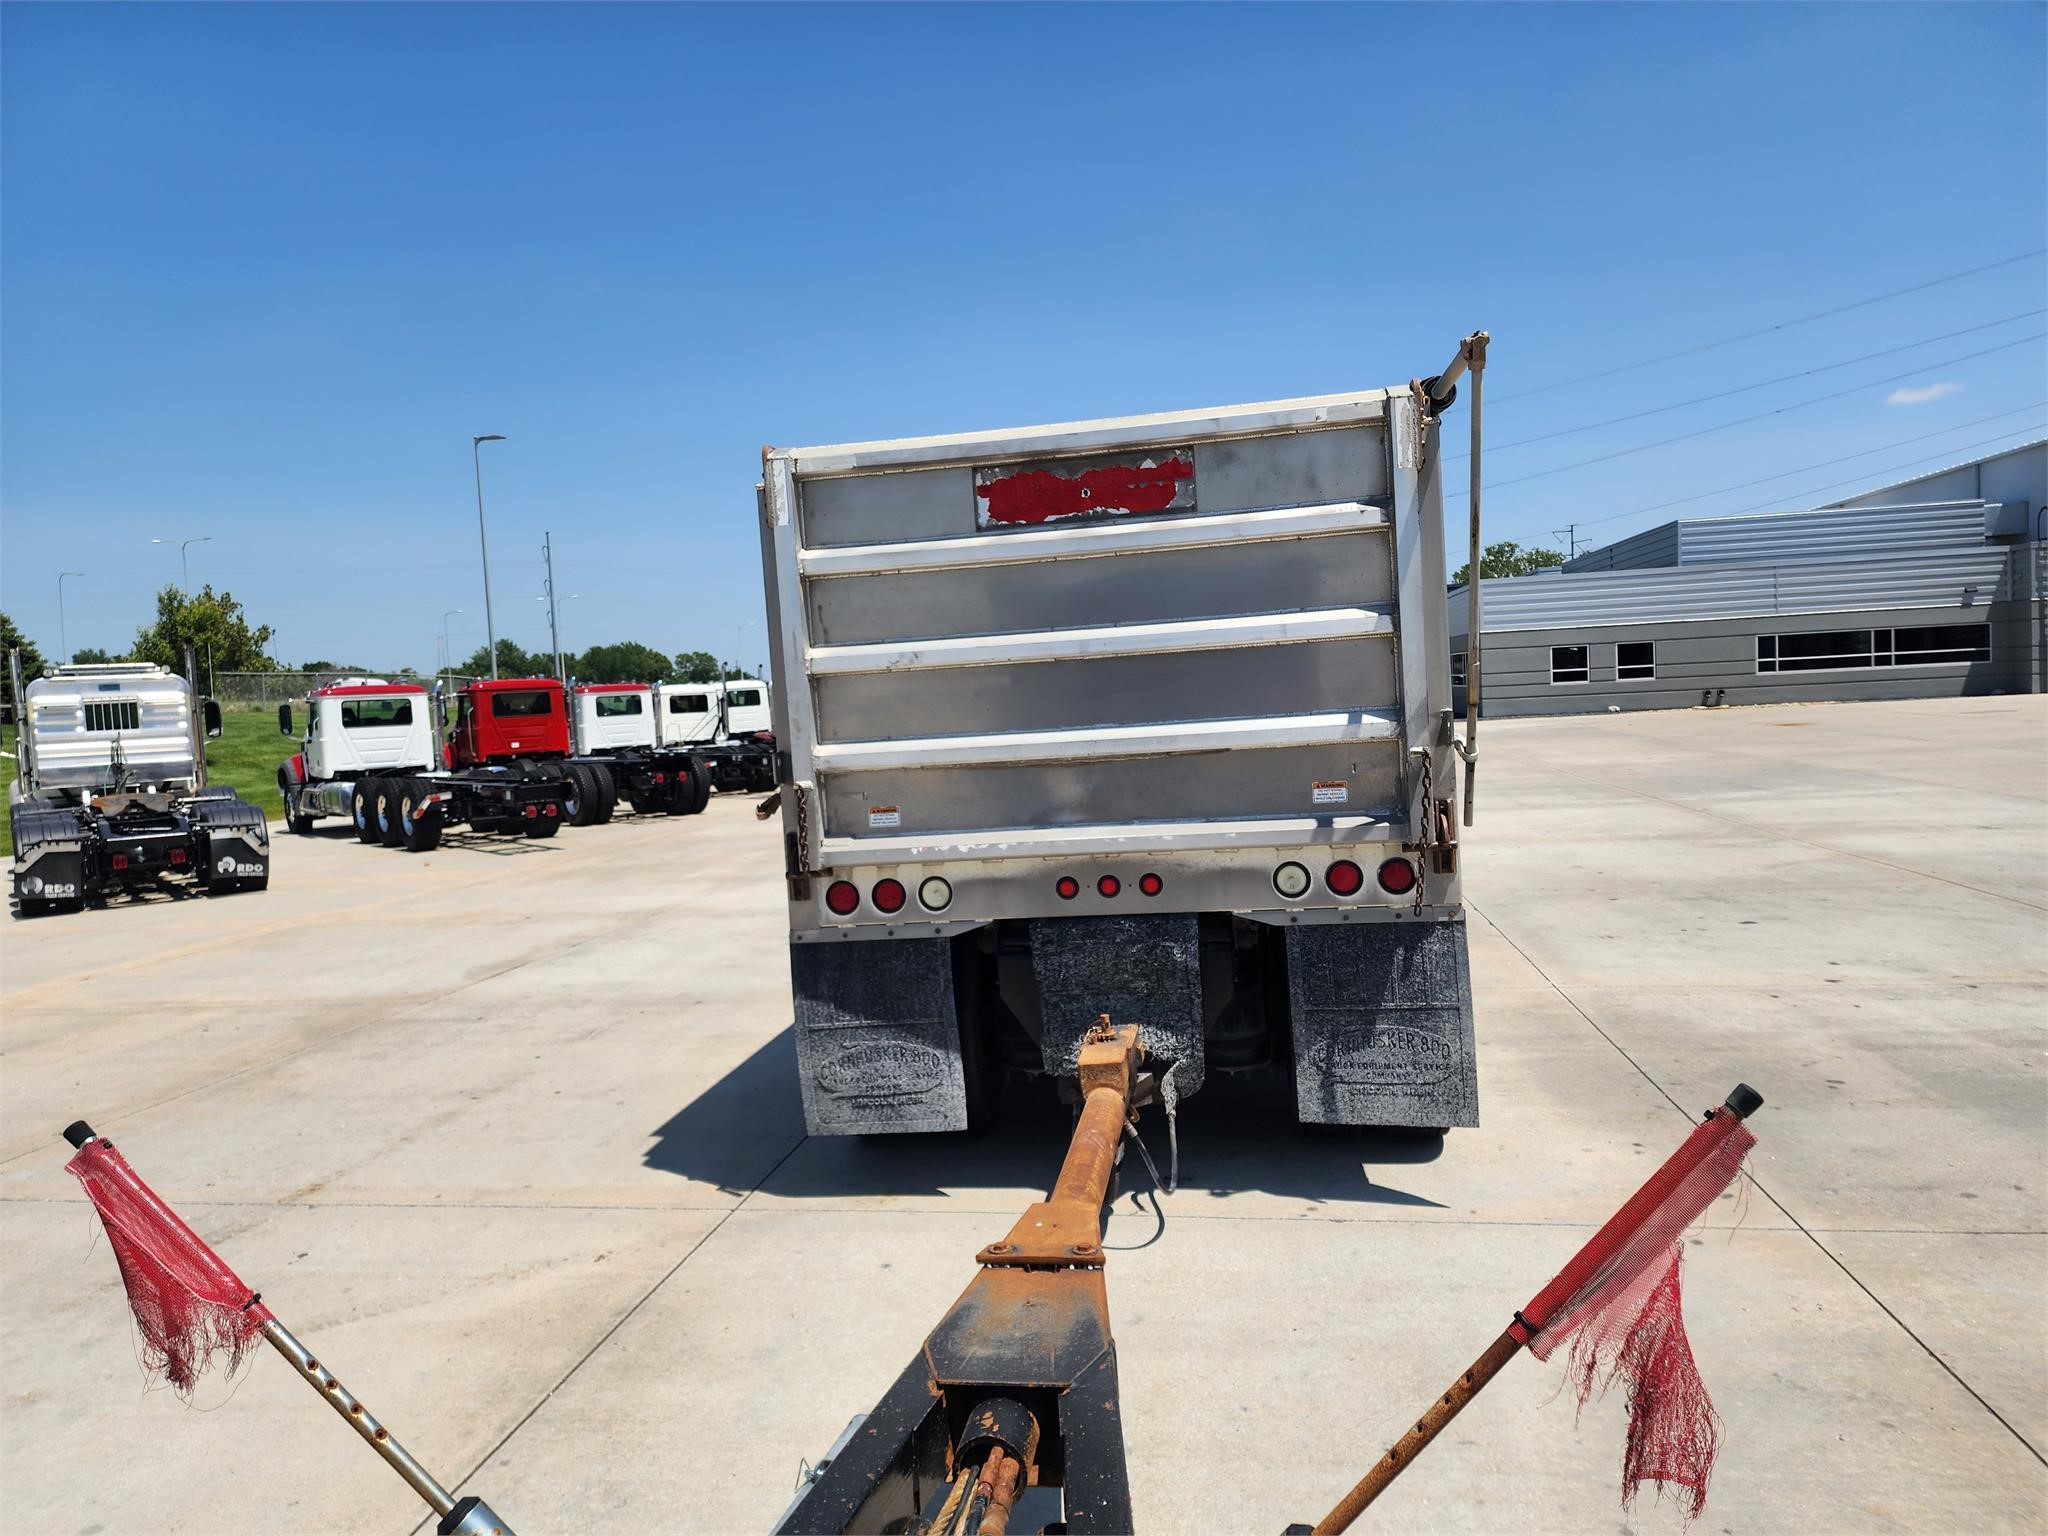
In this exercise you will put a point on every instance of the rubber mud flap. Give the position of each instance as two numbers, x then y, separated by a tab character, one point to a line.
877	1037
1382	1024
1145	971
51	875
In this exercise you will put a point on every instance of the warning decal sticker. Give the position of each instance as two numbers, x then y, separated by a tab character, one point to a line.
881	818
1330	791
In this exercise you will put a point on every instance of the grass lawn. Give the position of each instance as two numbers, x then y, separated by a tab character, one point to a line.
244	756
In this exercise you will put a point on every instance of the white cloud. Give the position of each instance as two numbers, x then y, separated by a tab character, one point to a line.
1923	394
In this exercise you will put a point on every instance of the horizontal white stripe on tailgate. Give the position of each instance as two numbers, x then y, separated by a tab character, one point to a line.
1090	539
1104	640
1334	728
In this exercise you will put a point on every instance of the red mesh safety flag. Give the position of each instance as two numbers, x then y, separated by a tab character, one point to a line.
189	1305
1617	1306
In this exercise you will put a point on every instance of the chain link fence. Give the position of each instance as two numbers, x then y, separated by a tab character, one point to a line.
267	690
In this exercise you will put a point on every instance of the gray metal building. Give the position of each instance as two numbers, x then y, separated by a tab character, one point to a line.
1930	587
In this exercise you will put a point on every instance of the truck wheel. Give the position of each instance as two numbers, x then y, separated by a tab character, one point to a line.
700	775
580	805
420	829
543	826
389	832
688	790
302	825
607	792
362	803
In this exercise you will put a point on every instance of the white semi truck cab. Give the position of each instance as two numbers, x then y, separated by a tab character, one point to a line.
110	789
1147	716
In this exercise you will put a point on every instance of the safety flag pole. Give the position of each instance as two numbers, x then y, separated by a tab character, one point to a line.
1617	1302
191	1308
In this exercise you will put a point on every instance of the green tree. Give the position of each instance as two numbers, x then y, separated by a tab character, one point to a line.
1507	558
11	639
93	656
513	661
626	662
212	624
696	667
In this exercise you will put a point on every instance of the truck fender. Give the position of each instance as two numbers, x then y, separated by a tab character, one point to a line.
292	771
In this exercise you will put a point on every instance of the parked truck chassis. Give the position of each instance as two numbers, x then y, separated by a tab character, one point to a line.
91	818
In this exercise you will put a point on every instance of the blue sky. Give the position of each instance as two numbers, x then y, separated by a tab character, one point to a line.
267	268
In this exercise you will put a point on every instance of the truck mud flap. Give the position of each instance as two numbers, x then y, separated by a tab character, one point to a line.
236	856
1145	971
877	1037
1382	1025
50	874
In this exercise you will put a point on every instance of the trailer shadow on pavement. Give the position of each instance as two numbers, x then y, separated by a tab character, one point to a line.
1238	1134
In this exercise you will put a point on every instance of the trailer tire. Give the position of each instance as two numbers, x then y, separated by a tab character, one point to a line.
362	803
543	826
700	775
421	832
607	792
689	790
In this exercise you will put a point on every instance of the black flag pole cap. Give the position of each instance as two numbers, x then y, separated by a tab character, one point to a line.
78	1133
1744	1101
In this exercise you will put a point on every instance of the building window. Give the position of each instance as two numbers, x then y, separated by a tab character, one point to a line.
1931	643
1841	649
114	715
1568	664
1457	669
1635	659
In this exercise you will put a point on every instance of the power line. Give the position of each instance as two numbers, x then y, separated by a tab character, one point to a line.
1786	474
1740	421
1743	389
1782	325
1908	464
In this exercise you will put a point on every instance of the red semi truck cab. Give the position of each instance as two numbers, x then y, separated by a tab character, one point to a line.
500	719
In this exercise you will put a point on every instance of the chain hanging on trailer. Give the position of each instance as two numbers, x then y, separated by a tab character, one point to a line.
1426	842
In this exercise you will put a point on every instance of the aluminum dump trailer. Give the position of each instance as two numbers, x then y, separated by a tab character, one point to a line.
1147	716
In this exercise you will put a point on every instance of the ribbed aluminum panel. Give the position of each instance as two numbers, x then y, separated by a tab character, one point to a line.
1828	533
1931	579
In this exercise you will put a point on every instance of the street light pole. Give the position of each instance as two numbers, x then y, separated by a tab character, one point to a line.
547	554
476	453
63	637
184	565
447	650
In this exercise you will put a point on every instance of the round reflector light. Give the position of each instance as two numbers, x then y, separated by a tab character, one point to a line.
935	895
842	896
1068	887
1291	880
1344	878
1397	876
1108	885
888	895
1151	885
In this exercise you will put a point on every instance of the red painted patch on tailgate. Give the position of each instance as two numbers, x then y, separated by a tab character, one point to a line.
1039	495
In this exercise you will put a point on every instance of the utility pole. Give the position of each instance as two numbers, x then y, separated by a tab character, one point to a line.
476	445
63	638
547	554
1570	534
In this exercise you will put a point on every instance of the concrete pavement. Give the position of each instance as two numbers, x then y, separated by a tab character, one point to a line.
509	1135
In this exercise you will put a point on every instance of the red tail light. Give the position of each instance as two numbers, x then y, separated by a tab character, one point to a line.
1108	885
888	895
177	855
532	813
1068	887
661	778
842	896
554	810
1151	885
1397	877
120	861
1344	878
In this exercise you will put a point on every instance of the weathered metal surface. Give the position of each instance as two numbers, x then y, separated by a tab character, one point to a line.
1383	1025
878	1045
1145	971
1093	487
